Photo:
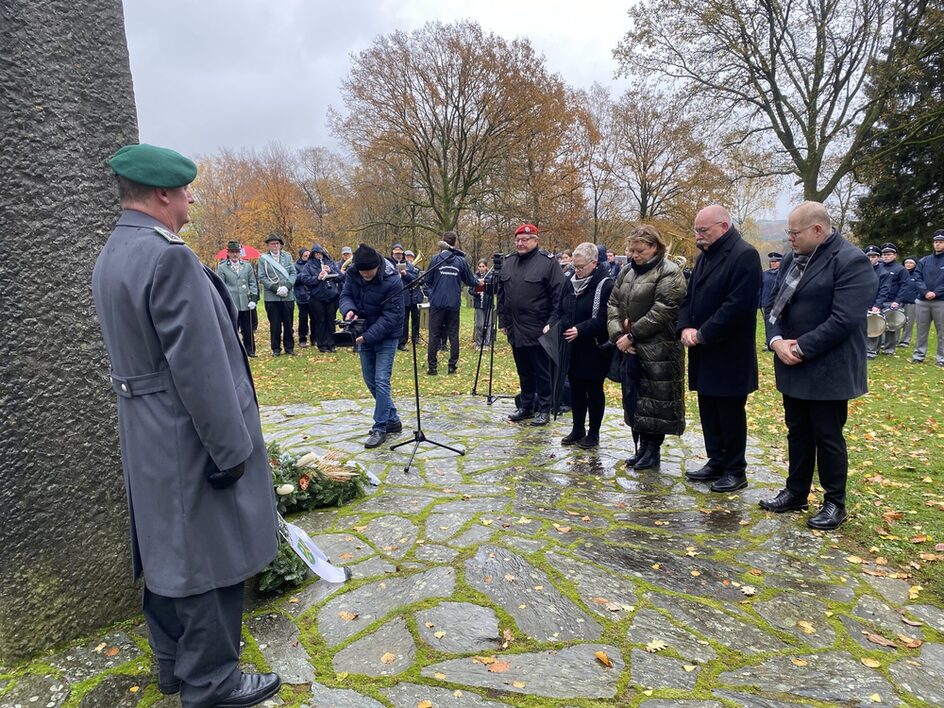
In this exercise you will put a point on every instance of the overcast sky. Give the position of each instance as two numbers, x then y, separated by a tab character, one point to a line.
242	73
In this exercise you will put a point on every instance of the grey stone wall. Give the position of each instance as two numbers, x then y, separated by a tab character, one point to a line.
66	104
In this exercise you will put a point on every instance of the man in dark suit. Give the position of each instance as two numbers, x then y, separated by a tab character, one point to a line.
816	329
717	323
199	487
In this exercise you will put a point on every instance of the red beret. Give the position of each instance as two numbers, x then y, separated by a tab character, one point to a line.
527	229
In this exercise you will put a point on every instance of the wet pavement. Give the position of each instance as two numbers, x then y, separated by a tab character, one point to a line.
528	574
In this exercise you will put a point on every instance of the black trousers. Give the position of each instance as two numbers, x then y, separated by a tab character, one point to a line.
410	313
724	424
280	316
587	396
196	640
323	314
814	437
443	324
306	322
534	376
244	324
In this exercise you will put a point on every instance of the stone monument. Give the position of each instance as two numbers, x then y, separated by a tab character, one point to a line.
67	104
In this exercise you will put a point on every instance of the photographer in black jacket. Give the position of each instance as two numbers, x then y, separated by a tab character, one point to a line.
529	298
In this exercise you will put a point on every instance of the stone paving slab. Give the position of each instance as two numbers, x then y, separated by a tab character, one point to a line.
525	573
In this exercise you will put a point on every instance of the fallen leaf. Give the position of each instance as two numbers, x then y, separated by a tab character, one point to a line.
345	556
539	588
656	645
875	698
294	600
424	704
440	634
909	642
483	660
341	675
486	522
134	689
98	649
348	616
112	651
878	639
799	662
689	667
523	520
518	684
388	658
913	592
604	659
656	566
487	580
911	622
562	529
870	662
510	578
508	635
695	573
429	625
806	627
748	590
854	559
439	676
499	667
756	571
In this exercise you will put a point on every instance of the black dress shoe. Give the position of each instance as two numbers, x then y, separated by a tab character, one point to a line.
168	688
541	419
830	516
729	482
395	427
573	437
640	451
706	473
589	442
251	690
375	439
431	372
401	347
784	501
453	370
520	414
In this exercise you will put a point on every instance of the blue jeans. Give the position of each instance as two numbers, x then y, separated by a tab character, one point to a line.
377	367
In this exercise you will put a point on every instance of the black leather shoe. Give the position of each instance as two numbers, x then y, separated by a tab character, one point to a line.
401	347
784	501
395	427
573	437
589	442
453	370
375	439
640	451
830	516
541	419
520	414
431	372
706	473
168	688
729	482
251	690
651	459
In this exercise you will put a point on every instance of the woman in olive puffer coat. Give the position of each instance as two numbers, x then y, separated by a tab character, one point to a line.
642	313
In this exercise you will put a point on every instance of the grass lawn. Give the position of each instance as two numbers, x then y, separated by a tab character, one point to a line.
895	433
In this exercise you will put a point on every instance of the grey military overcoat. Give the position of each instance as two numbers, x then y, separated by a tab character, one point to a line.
240	281
186	402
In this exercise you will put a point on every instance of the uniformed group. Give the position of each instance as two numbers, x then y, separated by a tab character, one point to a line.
179	336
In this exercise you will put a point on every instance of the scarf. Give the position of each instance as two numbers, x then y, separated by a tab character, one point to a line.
580	284
791	281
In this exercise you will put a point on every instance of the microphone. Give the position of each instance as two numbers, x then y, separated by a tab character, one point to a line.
452	249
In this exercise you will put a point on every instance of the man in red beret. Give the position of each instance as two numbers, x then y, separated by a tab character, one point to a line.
529	295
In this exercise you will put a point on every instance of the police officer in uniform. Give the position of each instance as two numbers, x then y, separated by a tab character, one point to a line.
881	296
197	475
768	282
239	277
897	287
529	299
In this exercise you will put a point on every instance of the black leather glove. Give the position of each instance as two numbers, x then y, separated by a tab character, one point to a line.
221	479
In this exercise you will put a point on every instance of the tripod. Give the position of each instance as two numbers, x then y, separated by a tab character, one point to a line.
418	435
489	332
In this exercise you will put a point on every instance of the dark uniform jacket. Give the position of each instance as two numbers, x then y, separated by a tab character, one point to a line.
379	301
529	296
768	288
881	293
186	408
320	289
929	276
721	303
897	277
447	273
826	315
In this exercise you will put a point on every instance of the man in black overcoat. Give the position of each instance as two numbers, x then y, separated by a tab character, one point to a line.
718	323
816	329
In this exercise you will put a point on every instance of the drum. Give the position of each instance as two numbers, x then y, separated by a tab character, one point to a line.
894	320
874	324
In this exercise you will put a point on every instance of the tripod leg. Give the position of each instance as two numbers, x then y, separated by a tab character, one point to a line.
486	328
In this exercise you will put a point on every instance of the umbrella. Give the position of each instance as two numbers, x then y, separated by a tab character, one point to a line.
559	353
245	252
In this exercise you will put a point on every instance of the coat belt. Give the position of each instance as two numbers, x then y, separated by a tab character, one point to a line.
142	385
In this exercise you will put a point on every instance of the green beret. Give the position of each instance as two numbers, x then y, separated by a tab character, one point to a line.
153	166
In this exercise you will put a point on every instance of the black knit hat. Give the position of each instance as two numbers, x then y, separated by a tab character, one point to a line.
366	258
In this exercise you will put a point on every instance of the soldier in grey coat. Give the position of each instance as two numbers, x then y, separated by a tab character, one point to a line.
196	471
239	277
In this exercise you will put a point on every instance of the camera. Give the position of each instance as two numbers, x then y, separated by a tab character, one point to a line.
352	329
497	259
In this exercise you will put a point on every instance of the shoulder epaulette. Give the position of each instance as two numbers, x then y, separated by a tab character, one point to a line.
545	253
168	235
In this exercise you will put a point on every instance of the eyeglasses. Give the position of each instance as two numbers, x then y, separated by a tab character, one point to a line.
793	233
702	230
524	239
582	266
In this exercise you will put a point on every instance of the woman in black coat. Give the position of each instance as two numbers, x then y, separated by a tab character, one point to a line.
583	321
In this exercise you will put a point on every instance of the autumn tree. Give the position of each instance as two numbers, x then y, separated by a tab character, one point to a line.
445	99
792	71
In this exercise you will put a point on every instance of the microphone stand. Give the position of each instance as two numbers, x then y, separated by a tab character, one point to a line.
418	435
